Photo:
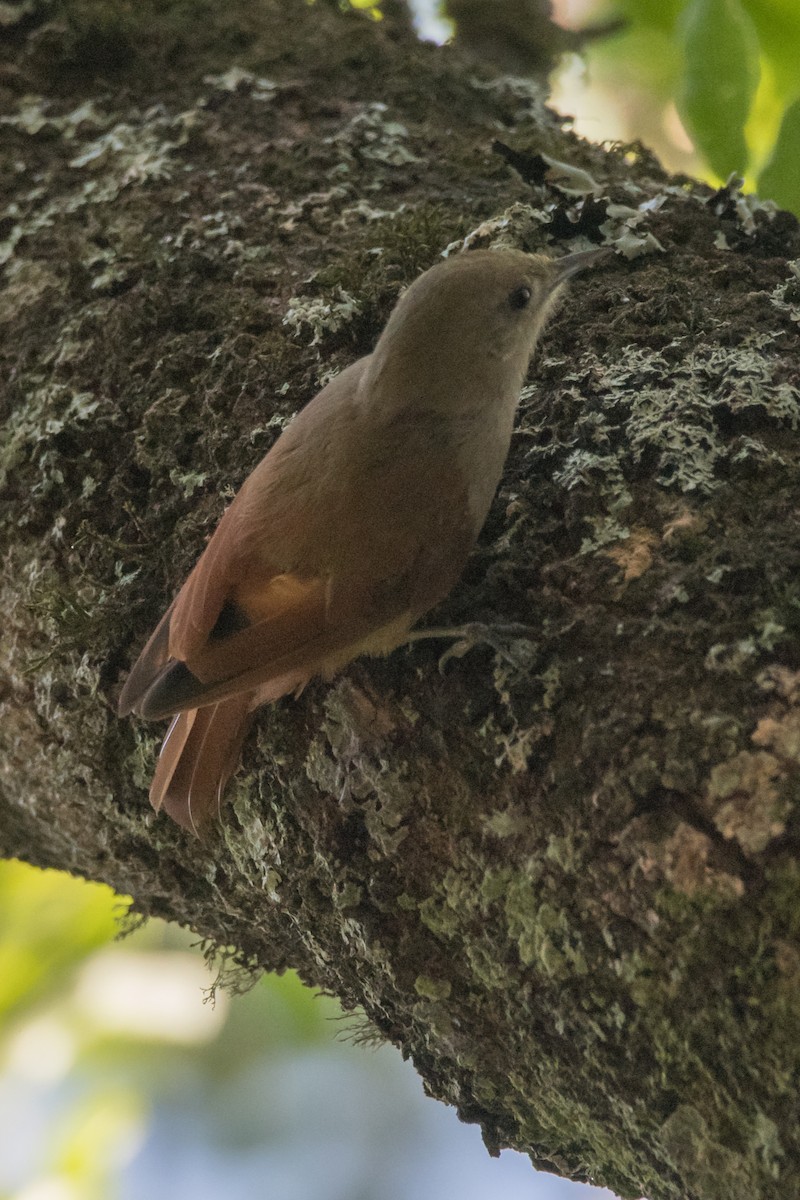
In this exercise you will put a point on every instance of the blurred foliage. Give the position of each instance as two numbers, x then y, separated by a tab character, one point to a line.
109	1028
118	1081
519	36
732	68
719	79
49	923
729	68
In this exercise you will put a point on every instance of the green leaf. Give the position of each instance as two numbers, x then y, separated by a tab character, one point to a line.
780	179
649	14
721	54
777	24
49	923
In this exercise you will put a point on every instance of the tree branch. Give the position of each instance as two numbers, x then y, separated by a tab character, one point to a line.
561	874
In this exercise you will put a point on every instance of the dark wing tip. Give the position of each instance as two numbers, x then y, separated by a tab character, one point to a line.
159	687
175	690
130	695
147	668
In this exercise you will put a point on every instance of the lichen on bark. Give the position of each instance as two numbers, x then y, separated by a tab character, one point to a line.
561	874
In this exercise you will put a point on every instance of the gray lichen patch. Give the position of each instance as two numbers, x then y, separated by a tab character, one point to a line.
786	296
371	133
320	316
630	417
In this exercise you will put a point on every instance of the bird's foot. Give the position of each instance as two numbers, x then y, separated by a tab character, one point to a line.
500	637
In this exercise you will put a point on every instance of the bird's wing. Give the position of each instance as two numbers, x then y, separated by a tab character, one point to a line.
312	564
247	573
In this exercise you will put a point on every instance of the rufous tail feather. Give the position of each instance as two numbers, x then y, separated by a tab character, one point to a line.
197	759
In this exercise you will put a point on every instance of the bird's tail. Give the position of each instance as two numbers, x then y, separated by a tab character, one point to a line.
197	759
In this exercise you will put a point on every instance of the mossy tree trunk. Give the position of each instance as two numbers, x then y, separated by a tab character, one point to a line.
561	874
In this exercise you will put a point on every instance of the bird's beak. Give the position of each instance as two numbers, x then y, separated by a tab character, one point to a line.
570	264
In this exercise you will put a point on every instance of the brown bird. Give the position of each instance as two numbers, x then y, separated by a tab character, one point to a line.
358	520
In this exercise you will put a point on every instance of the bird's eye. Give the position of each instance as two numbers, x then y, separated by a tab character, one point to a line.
520	296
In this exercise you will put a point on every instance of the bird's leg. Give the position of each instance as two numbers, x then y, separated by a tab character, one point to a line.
476	633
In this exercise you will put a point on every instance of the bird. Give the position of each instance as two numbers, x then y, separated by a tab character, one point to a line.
357	521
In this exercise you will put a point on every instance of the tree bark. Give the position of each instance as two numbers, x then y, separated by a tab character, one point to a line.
561	874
